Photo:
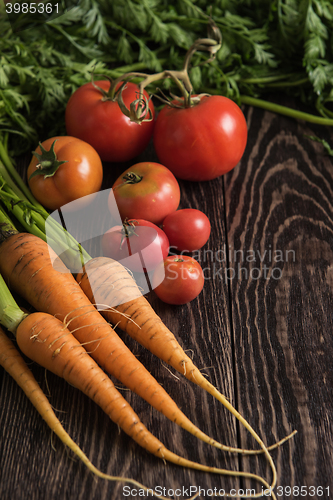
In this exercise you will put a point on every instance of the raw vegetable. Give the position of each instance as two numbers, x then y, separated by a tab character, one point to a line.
62	170
96	111
200	140
187	230
139	244
147	190
12	361
178	280
46	340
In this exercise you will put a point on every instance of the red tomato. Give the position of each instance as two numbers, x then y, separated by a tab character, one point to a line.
81	173
201	142
101	123
187	230
183	280
138	244
146	190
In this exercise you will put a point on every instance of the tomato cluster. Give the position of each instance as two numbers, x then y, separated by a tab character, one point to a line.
147	196
196	140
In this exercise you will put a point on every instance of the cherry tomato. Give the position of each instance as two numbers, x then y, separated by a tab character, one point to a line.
187	229
101	123
201	142
79	173
183	279
138	244
146	190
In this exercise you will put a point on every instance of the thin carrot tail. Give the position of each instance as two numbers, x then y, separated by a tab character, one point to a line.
108	285
126	307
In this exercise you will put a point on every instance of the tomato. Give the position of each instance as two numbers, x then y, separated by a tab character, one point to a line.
138	244
146	190
183	280
79	173
201	142
101	123
187	229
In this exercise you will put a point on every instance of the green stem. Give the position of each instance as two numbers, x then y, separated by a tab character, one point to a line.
10	313
295	83
268	79
7	228
284	110
9	167
19	214
275	81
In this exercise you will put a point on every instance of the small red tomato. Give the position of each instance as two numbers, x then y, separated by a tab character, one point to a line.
183	280
147	190
68	169
95	117
138	244
187	230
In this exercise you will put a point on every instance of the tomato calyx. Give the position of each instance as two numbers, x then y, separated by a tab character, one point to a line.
139	110
132	178
48	162
129	178
187	101
127	231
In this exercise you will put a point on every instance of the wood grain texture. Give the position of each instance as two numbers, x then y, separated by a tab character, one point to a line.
279	226
261	331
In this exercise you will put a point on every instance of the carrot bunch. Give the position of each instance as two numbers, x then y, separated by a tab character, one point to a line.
38	275
48	341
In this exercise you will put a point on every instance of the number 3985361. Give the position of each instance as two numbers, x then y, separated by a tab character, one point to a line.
32	8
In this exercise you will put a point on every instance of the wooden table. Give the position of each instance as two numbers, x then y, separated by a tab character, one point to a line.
261	331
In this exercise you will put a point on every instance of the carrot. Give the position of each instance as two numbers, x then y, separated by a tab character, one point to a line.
109	285
26	265
47	341
12	361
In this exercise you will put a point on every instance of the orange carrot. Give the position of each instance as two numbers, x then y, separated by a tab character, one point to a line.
26	265
109	285
47	341
12	361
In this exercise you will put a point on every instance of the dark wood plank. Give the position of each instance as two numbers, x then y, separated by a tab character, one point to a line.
279	226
